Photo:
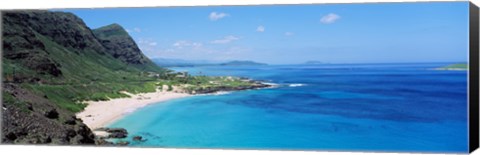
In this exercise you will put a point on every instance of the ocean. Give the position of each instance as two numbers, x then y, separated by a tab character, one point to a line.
328	107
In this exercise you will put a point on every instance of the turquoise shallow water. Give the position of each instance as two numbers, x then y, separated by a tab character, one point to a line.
381	107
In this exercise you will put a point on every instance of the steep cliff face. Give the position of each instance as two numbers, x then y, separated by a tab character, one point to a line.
63	28
21	44
120	45
52	60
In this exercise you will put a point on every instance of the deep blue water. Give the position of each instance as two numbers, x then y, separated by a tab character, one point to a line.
362	107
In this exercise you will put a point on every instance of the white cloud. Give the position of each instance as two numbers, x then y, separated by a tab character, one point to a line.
137	29
260	28
230	53
128	30
149	42
330	18
289	33
214	16
226	39
185	43
180	48
152	43
148	46
190	50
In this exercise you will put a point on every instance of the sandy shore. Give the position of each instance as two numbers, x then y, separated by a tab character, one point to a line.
100	113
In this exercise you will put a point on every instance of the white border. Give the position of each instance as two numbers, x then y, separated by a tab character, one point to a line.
73	150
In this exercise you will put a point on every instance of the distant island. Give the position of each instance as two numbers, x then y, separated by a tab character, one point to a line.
163	62
167	62
459	66
242	63
314	62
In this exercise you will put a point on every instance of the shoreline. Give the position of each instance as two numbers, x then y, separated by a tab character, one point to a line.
98	114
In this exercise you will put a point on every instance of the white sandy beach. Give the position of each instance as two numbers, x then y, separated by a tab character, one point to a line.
100	113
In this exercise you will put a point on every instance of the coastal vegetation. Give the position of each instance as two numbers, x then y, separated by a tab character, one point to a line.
211	84
459	66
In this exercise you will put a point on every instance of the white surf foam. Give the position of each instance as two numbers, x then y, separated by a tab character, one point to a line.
222	93
296	85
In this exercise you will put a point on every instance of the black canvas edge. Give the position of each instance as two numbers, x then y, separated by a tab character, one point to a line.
473	82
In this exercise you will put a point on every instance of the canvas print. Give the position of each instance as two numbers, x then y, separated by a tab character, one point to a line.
377	77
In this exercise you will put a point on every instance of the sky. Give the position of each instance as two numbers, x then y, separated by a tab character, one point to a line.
292	34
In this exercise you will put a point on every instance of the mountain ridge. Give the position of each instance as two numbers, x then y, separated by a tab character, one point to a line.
164	62
120	45
242	63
